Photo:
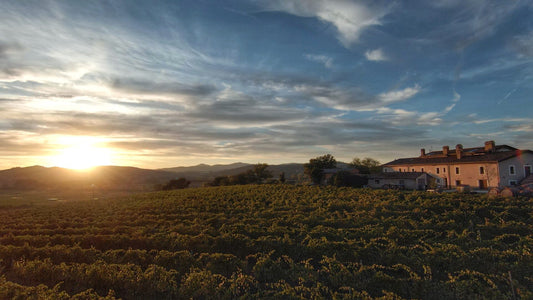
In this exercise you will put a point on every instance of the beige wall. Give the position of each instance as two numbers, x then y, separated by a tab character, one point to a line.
409	184
469	174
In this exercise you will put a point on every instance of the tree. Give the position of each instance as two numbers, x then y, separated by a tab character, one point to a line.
219	180
241	178
260	173
367	165
316	165
257	174
175	184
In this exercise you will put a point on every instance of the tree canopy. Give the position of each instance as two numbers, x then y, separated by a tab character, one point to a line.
367	165
314	169
258	174
175	184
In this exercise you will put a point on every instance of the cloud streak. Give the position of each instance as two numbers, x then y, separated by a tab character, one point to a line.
323	59
375	55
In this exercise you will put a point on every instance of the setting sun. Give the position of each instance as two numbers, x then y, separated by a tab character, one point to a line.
83	156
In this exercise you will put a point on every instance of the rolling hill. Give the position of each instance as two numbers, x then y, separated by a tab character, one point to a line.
125	178
105	177
131	178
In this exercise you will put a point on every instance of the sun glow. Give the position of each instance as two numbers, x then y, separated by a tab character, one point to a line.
83	156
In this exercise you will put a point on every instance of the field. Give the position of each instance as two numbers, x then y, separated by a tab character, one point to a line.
268	241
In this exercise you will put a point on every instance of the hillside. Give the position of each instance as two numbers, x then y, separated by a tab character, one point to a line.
131	178
204	168
205	172
270	241
294	172
105	177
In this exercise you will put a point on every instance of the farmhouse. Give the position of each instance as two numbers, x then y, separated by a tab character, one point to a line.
480	167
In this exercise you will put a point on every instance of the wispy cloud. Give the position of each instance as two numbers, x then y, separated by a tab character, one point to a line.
455	100
524	44
323	59
399	95
498	120
146	86
473	20
526	127
375	55
402	117
350	18
354	99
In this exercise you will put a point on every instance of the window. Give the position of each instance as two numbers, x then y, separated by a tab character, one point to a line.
376	181
512	170
412	170
438	171
456	170
443	170
512	182
458	182
422	170
402	181
481	170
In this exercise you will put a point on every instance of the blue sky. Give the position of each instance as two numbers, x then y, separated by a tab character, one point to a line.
167	83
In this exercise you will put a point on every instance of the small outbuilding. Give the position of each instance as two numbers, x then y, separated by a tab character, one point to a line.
327	174
403	180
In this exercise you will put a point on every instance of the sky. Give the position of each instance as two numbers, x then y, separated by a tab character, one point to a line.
177	83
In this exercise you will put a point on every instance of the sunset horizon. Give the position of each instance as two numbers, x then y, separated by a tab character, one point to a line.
266	149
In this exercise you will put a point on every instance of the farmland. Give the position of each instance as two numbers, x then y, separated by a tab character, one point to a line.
268	241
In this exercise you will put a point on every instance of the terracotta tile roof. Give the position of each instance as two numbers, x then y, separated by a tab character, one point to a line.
437	158
475	150
397	175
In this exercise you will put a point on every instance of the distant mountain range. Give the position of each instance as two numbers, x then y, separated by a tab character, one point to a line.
129	178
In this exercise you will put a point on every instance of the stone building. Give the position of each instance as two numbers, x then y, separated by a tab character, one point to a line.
480	167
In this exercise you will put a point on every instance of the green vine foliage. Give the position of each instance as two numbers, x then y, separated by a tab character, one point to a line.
269	241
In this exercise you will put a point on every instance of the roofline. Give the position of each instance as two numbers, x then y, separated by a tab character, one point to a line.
452	150
517	153
444	163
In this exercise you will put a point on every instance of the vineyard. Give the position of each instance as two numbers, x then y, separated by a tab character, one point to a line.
269	241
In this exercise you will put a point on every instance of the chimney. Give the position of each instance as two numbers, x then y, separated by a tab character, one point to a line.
490	146
445	150
459	151
422	152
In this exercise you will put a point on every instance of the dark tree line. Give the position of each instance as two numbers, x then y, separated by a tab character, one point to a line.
257	175
316	166
366	166
176	184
